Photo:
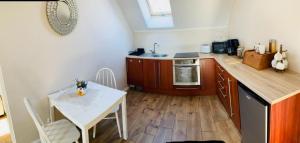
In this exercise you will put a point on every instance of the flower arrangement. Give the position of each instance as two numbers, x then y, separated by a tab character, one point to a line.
280	62
81	86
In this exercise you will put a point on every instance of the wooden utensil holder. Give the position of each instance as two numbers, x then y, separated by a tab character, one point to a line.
258	61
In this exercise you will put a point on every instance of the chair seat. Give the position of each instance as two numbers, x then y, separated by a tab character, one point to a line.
62	131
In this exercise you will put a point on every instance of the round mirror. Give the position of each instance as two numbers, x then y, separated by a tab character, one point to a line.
62	15
63	12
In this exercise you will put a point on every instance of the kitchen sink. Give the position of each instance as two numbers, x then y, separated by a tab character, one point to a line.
154	55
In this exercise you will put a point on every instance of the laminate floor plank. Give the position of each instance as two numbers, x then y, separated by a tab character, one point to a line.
206	114
163	135
156	118
194	126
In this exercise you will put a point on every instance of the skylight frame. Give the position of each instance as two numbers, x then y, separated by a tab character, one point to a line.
153	13
155	21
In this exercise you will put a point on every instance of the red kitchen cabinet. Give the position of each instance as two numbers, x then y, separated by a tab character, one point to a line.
150	74
135	71
158	75
227	91
165	74
234	105
208	78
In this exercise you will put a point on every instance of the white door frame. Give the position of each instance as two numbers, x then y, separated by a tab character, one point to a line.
6	107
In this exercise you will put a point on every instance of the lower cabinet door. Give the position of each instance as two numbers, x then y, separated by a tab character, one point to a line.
165	75
150	74
208	84
139	78
134	71
234	102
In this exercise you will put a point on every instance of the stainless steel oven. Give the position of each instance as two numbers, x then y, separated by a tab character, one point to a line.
186	71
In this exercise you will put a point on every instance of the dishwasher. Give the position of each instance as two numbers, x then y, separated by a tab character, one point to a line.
254	116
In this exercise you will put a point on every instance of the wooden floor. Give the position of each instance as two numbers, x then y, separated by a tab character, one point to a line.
154	118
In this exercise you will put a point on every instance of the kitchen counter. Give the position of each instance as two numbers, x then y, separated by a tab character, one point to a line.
270	85
171	57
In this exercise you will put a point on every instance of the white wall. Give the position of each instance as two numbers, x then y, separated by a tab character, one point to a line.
186	13
196	22
37	61
173	41
256	21
201	13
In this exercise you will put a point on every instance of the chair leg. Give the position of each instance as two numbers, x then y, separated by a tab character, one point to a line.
118	123
94	131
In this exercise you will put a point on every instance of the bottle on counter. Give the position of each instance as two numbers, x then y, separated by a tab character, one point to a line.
272	46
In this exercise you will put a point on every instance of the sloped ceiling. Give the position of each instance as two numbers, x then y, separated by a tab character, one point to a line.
186	13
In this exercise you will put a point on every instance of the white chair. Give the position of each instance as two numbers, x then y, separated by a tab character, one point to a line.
106	77
62	131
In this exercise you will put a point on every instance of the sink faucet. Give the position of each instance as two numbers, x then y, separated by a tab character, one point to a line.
154	47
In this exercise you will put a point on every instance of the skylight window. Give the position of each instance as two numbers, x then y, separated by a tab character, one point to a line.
157	13
159	7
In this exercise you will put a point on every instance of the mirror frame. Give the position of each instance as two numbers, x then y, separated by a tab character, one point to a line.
57	26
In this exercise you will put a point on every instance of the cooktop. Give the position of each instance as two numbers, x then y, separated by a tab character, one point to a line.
187	55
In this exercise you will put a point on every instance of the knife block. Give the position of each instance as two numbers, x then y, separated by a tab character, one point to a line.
258	61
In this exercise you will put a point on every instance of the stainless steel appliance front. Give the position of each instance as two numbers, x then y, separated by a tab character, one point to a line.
254	116
186	71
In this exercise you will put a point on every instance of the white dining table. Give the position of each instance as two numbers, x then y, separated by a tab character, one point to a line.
86	111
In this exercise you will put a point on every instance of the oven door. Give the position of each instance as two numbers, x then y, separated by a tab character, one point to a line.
186	75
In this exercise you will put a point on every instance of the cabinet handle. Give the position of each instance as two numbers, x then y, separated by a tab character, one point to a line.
221	76
220	68
229	94
158	72
182	88
139	61
130	60
224	95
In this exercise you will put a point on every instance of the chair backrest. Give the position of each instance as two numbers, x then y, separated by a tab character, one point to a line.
106	77
36	118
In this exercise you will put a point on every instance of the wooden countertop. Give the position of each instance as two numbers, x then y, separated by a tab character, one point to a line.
270	85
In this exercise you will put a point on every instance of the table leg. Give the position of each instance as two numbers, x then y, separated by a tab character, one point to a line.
85	136
124	118
51	113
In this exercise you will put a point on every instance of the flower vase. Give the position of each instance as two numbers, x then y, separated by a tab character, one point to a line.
80	92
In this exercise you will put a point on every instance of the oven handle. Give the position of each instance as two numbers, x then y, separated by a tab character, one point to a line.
186	64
